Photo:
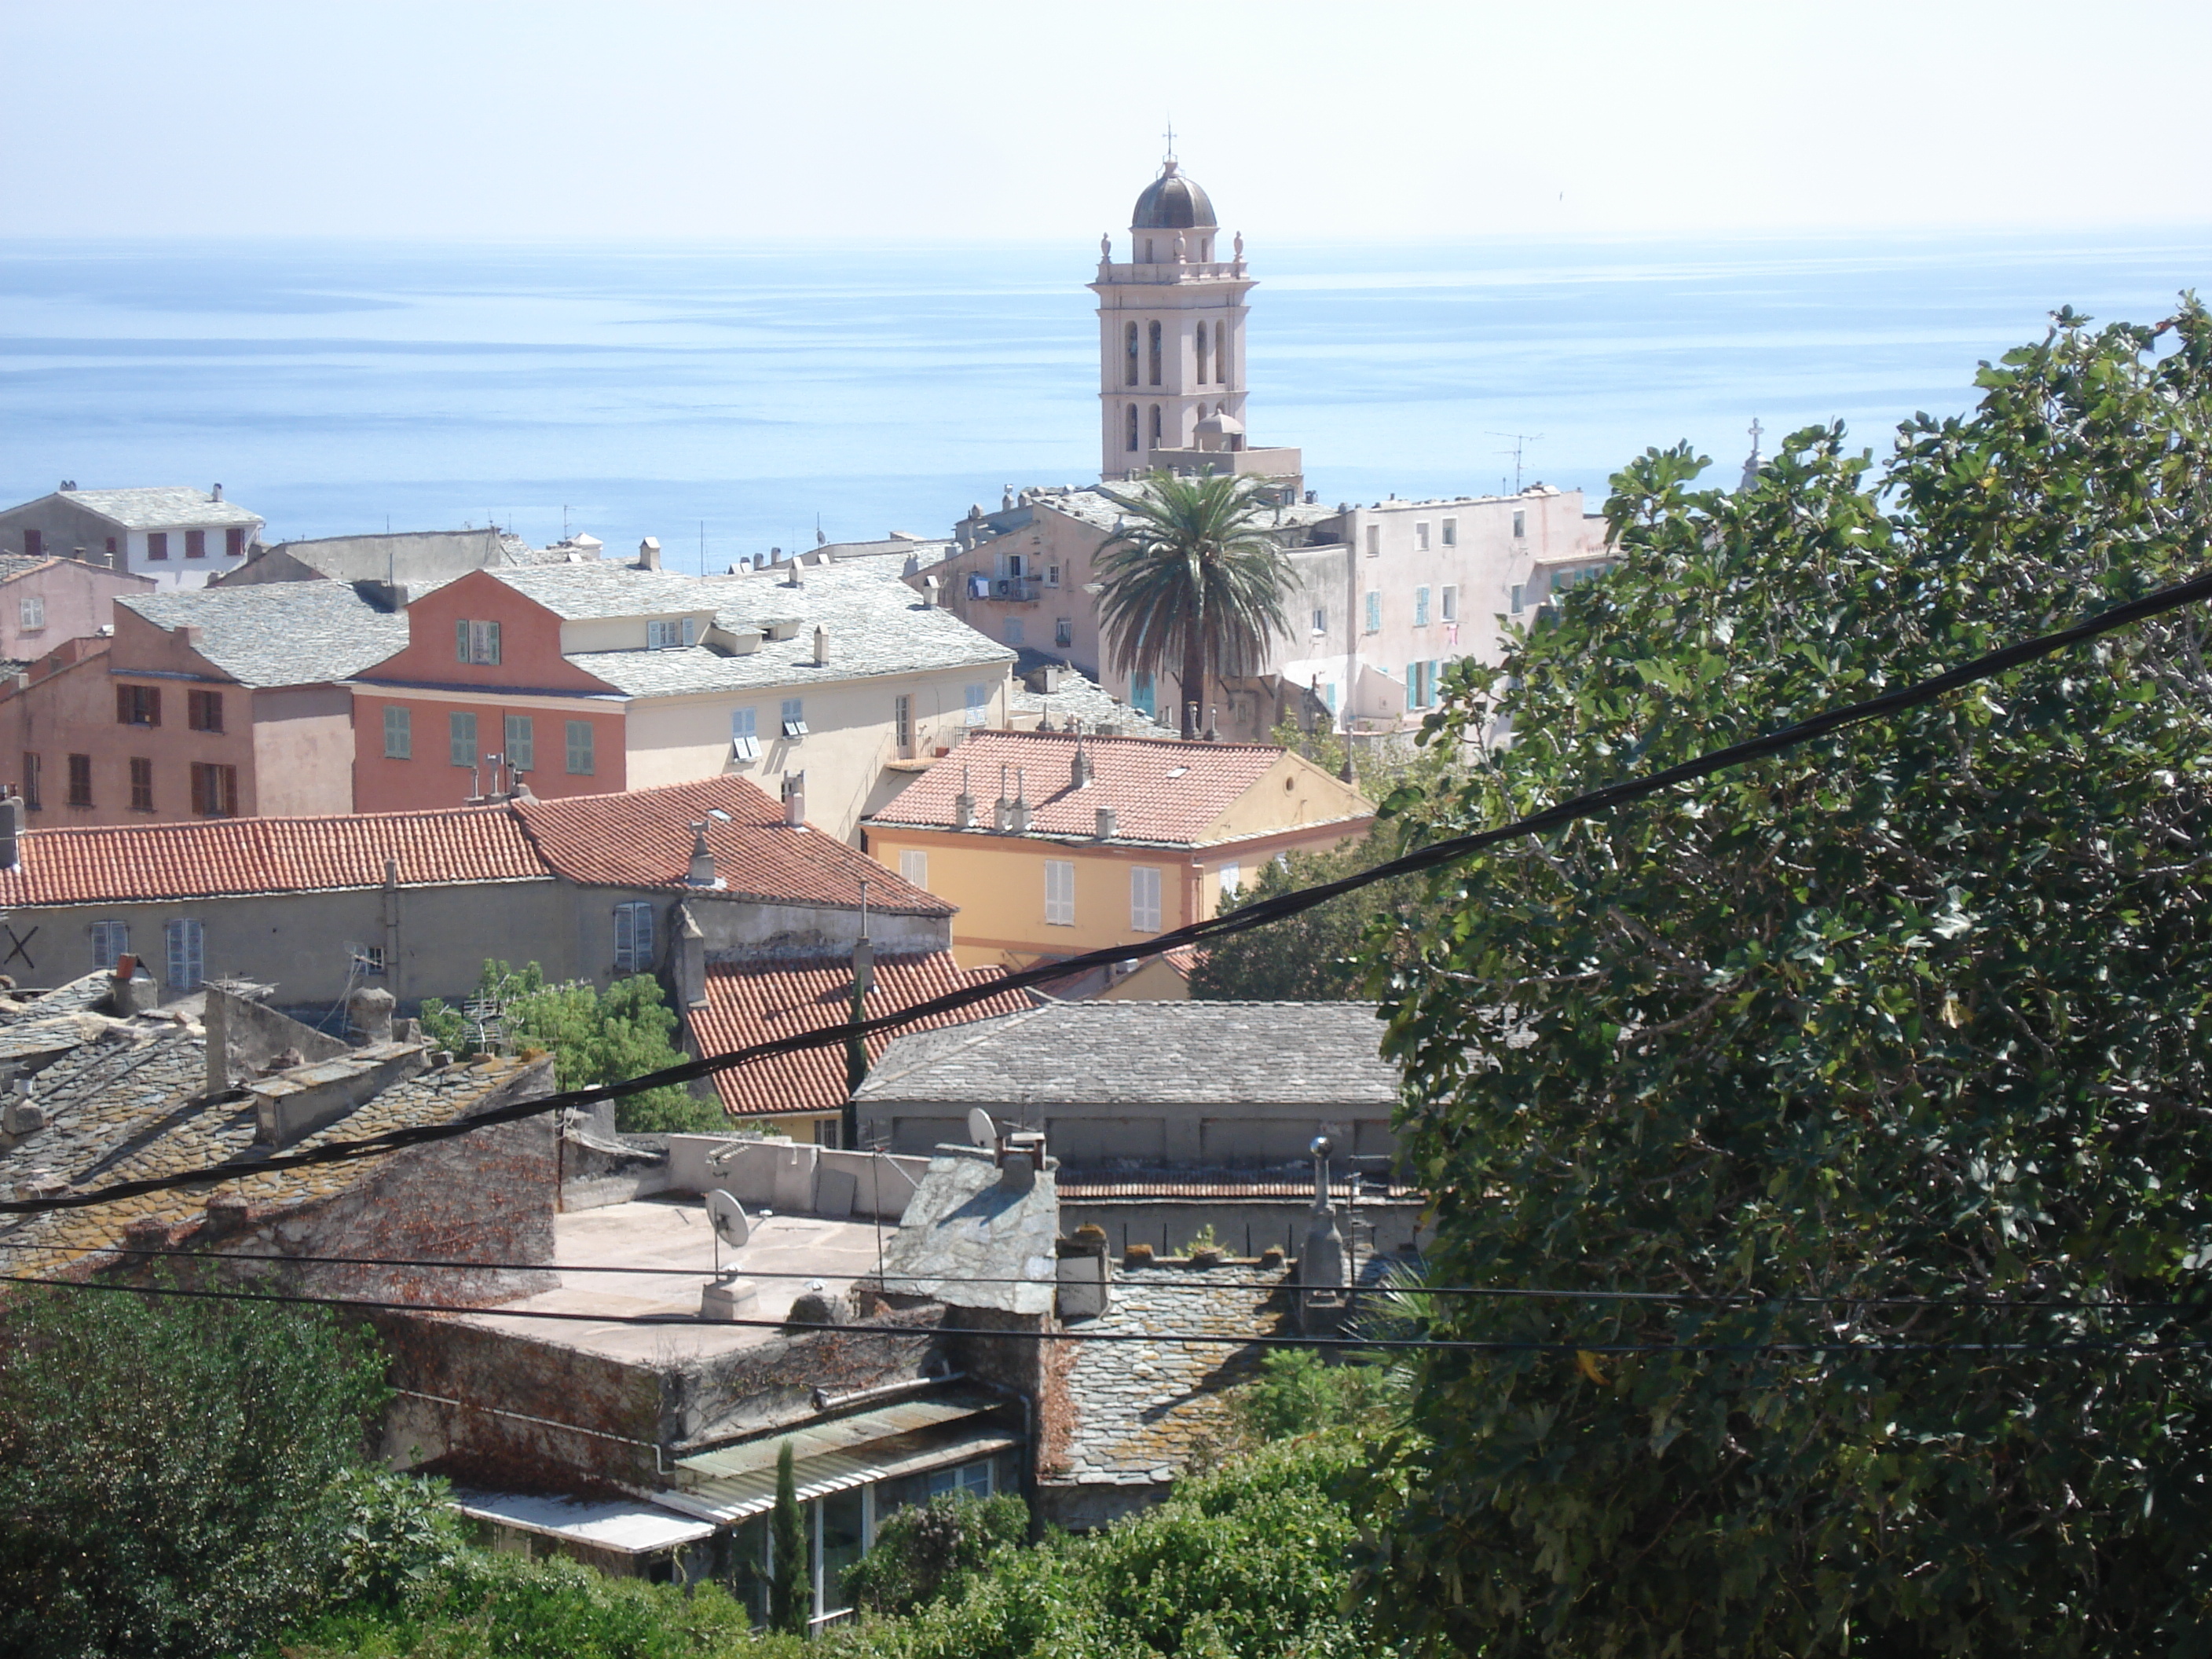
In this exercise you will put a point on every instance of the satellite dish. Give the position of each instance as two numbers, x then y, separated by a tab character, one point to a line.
731	1226
982	1131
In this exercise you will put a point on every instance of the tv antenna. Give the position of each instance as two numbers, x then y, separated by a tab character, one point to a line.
1520	440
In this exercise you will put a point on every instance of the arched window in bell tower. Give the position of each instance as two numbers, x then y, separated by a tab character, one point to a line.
1201	353
1132	346
1132	422
1156	419
1155	353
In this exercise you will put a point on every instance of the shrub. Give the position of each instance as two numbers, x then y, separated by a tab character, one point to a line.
933	1552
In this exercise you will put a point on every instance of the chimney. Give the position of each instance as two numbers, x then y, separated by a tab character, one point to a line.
929	593
216	494
1020	814
649	554
369	1012
963	804
215	1022
1080	773
702	872
24	1116
11	831
1105	823
1003	814
794	799
821	647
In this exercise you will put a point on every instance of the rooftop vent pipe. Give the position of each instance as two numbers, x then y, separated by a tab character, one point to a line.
795	800
216	494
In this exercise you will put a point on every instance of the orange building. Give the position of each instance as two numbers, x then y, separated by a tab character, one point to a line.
1052	844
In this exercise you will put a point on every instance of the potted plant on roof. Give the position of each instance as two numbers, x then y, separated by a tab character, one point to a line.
1206	1250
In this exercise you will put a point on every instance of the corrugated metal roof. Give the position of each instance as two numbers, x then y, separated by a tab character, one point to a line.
840	1434
630	1526
754	1493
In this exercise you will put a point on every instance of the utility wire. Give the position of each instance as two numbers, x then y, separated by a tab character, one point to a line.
2113	1346
1258	914
1722	1298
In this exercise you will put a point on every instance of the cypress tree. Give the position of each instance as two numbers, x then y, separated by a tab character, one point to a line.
791	1589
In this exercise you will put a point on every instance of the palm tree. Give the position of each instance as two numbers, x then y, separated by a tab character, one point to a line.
1190	580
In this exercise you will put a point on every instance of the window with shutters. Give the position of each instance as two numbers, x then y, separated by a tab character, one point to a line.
195	543
1143	695
110	941
31	769
215	791
187	953
580	755
476	642
667	636
634	938
1129	336
1063	631
233	542
978	699
1152	331
522	744
1372	623
141	784
1016	631
157	544
203	710
914	866
1420	607
1132	444
34	544
1060	893
137	705
1144	900
80	783
903	723
399	731
32	612
461	738
794	717
744	734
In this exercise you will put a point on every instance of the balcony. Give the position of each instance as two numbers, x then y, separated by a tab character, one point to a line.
1004	590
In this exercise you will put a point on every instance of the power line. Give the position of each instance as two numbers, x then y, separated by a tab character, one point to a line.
1260	913
1748	1299
2115	1347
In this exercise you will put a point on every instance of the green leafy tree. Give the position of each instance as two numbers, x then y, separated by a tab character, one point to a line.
790	1589
1192	583
173	1474
595	1037
933	1552
1918	1011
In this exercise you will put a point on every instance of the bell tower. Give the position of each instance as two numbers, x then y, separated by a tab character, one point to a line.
1171	333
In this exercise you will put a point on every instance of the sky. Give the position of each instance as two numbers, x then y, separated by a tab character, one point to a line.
648	121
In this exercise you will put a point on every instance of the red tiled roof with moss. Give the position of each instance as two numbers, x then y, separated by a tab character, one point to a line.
751	1001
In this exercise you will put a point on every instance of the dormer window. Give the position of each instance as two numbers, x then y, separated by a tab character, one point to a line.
668	635
476	642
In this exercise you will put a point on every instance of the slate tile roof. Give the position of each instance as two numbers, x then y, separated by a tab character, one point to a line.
752	1000
13	565
165	506
1163	792
126	1101
643	838
280	633
1074	698
1198	1054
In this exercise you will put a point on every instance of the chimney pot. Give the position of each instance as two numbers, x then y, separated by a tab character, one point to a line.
216	494
1106	823
702	872
821	647
648	553
795	800
11	831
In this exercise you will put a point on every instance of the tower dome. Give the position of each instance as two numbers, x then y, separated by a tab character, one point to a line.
1172	202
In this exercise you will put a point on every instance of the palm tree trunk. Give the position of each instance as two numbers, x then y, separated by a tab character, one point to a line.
1193	680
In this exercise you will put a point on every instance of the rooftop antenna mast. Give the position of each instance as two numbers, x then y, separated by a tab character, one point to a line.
1520	439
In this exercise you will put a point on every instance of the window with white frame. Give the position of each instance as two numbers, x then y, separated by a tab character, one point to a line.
1232	878
1374	541
399	731
1450	598
33	613
979	705
1144	900
794	717
1520	526
1060	893
1451	532
962	1480
634	938
110	940
744	734
476	642
667	636
913	867
1420	534
1515	598
187	951
1320	619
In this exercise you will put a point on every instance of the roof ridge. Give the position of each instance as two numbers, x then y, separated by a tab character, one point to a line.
261	823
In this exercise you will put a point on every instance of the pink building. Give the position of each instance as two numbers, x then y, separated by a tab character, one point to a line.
44	601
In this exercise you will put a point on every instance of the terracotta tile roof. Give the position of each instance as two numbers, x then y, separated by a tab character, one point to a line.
643	839
752	1000
1161	790
233	856
640	839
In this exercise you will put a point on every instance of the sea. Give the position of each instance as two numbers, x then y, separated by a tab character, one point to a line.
732	399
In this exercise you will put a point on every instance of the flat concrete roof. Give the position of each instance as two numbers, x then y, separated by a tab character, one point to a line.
671	1235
